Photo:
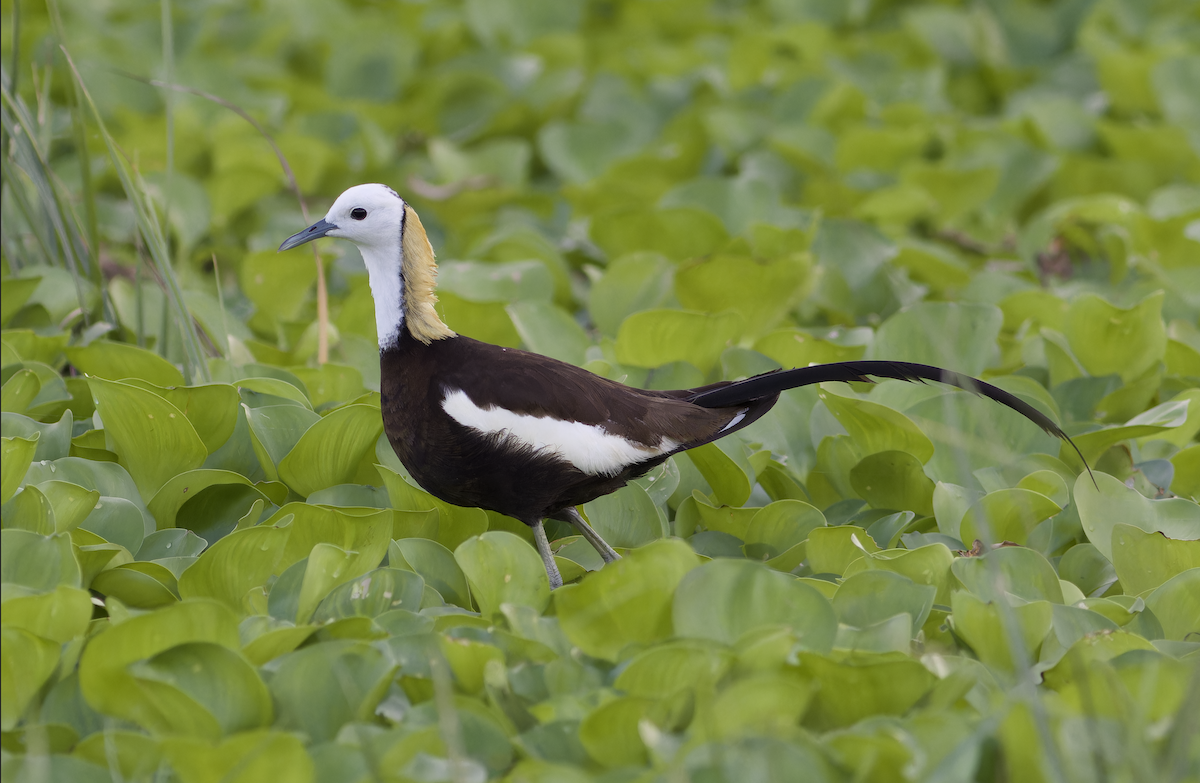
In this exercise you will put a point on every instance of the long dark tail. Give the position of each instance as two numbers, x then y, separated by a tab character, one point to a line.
772	383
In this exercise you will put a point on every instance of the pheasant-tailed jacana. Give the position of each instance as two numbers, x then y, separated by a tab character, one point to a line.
530	436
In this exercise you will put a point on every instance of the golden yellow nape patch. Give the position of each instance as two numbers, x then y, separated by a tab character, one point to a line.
419	271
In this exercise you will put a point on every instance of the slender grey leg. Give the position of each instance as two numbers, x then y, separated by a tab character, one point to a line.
593	538
543	548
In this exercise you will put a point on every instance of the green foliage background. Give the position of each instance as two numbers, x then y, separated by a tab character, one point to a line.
215	569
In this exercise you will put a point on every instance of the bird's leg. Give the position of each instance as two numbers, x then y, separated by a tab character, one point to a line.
599	544
543	548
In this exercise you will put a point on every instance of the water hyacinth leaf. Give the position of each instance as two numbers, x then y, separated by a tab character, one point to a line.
321	687
364	531
761	704
626	518
104	677
54	441
1096	328
628	601
610	732
211	408
371	595
329	451
778	527
502	568
32	661
549	330
330	383
889	687
275	430
678	233
238	562
871	597
242	758
43	397
326	567
200	688
1143	561
980	624
760	290
1006	515
455	523
634	282
669	668
894	480
1048	483
1014	570
118	361
269	388
59	615
39	563
957	336
731	482
72	503
1109	503
15	456
436	565
19	392
831	550
151	437
876	428
172	542
30	510
652	338
1176	604
167	502
725	599
138	585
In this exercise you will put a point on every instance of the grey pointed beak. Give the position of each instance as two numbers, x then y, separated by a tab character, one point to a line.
315	231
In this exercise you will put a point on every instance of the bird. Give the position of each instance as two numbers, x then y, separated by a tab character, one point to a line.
530	436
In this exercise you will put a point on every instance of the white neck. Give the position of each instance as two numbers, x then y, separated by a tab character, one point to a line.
387	288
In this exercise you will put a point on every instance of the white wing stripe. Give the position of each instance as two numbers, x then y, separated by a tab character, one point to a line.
588	447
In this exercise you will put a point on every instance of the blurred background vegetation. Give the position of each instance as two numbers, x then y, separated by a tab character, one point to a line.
667	192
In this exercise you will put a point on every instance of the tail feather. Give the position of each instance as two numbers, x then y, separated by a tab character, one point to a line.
768	384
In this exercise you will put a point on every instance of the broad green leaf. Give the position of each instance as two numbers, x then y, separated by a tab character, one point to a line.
982	626
883	687
112	688
244	757
39	563
329	451
832	549
54	441
371	595
876	428
152	438
29	662
652	338
1109	503
455	523
1176	604
796	348
626	518
760	704
634	282
1010	570
1109	339
238	562
19	392
320	687
871	597
731	482
60	615
276	284
327	566
957	336
894	480
610	732
118	361
760	290
502	568
926	565
330	383
778	527
725	599
668	668
678	233
549	330
435	564
138	585
167	502
1144	561
363	531
626	602
1006	515
275	430
15	456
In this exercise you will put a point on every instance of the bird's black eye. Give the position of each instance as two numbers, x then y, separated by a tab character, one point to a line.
358	213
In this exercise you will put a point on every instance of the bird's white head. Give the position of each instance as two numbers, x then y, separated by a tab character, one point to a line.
399	259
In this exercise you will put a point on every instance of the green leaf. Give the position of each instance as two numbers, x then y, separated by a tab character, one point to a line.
881	687
60	615
610	732
1144	560
113	688
875	428
455	523
1109	503
1014	570
682	232
1109	339
626	518
329	451
871	597
152	438
778	527
238	562
242	758
981	625
831	550
363	531
275	430
725	599
1176	604
760	290
1006	515
118	361
549	330
731	482
371	595
29	662
277	284
652	338
634	282
15	456
626	602
502	568
54	441
893	480
167	502
435	564
668	668
957	336
40	563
